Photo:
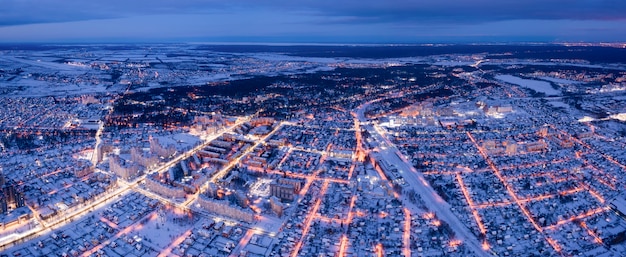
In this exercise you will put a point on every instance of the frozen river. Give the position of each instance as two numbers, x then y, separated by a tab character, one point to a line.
536	85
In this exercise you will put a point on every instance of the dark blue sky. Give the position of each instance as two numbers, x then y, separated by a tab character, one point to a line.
313	21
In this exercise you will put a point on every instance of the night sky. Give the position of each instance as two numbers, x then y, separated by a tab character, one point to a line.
313	21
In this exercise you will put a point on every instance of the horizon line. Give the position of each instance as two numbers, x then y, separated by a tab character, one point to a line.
390	44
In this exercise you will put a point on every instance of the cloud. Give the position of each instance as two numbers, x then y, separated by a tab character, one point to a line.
492	10
16	12
19	12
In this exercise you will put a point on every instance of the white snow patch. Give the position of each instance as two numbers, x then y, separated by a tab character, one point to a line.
586	119
619	116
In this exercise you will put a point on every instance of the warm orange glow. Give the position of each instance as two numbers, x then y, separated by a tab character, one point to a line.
596	238
360	152
51	173
530	199
312	177
176	242
455	243
380	172
178	211
554	244
284	157
379	250
486	245
136	226
571	191
350	210
306	186
406	235
309	219
531	165
108	222
481	226
384	178
244	240
509	189
606	156
255	209
343	246
579	217
351	169
191	198
327	219
596	195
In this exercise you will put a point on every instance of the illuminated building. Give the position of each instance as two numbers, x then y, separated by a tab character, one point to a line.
11	198
158	149
285	189
122	169
538	146
225	209
137	156
277	206
163	189
511	148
